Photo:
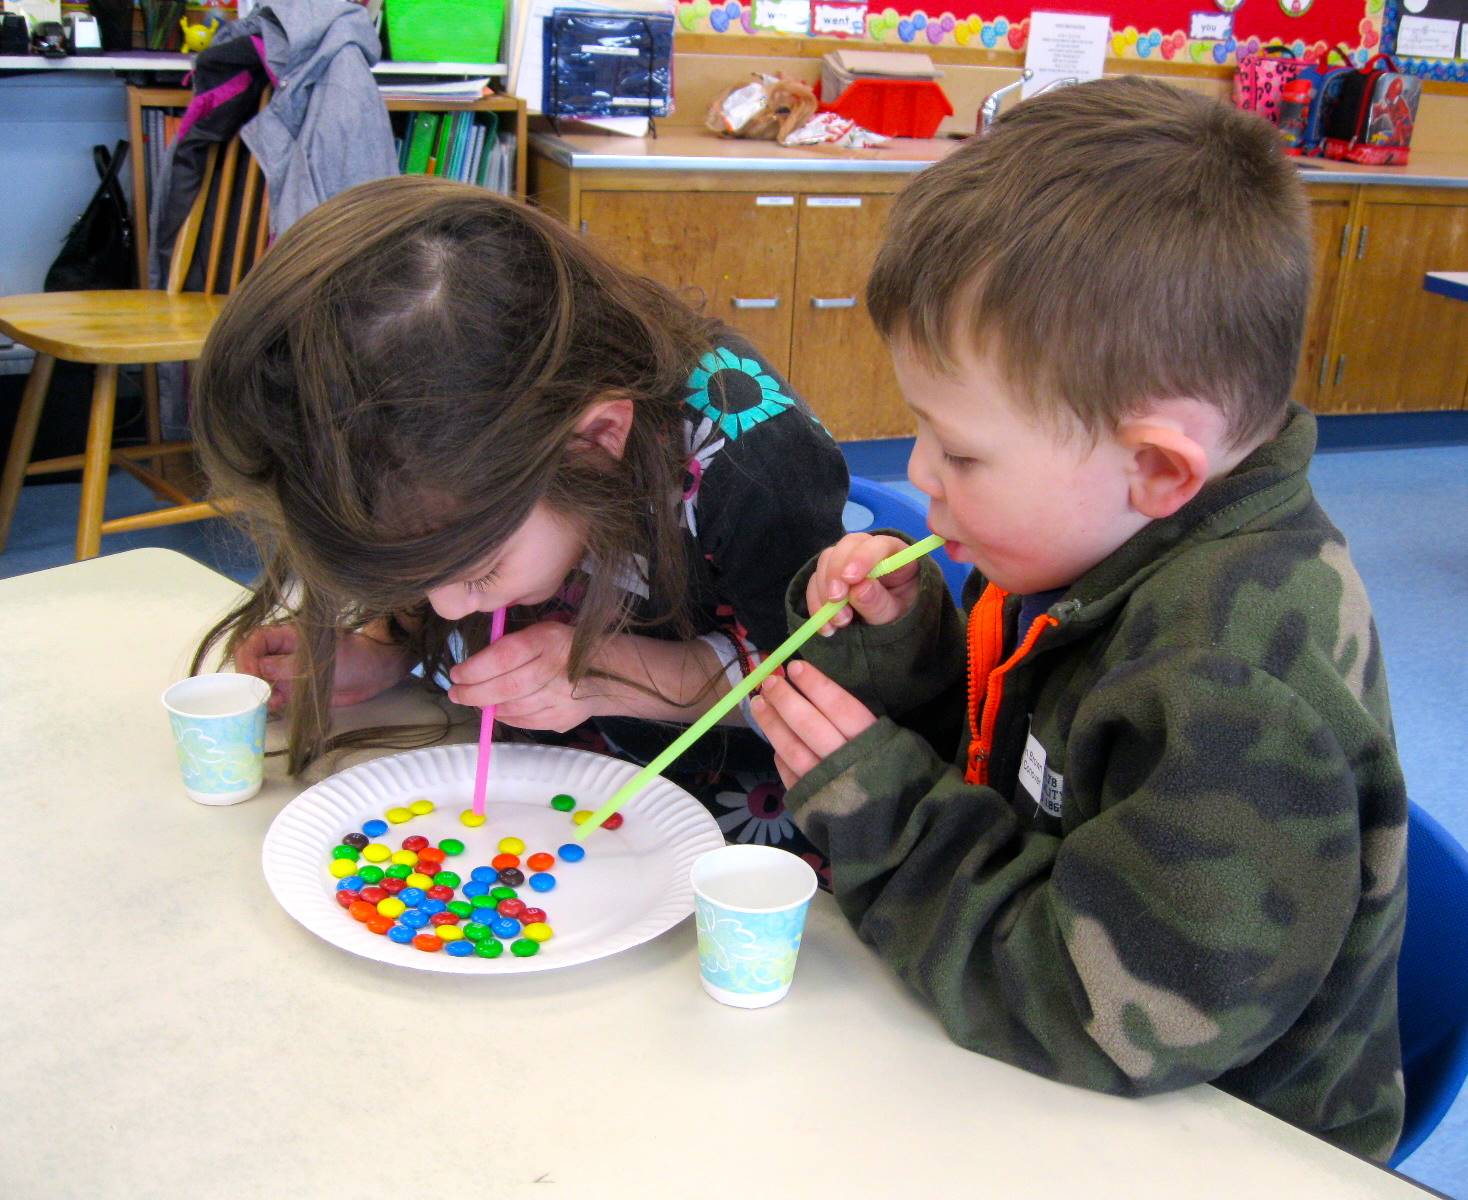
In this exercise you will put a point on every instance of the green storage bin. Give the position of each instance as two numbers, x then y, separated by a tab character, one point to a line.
445	30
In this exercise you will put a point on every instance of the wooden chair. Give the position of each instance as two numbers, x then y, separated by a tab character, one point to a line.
112	328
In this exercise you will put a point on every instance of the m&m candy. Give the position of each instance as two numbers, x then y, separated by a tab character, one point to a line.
444	918
421	808
429	943
459	949
361	910
405	858
449	933
347	898
379	924
439	892
355	840
398	871
414	918
563	803
342	867
347	852
512	877
581	816
541	862
448	879
502	927
475	931
370	874
484	875
484	902
350	883
524	948
431	854
402	934
542	881
471	818
460	908
614	821
415	843
571	852
391	906
503	862
511	845
489	947
397	816
451	846
374	828
510	908
502	893
538	931
376	853
431	906
374	894
475	888
411	896
419	880
392	885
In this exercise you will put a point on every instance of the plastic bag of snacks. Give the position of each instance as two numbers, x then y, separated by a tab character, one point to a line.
771	106
832	129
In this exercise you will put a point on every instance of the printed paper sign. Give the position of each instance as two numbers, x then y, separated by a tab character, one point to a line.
1427	37
1210	26
783	16
840	20
1065	46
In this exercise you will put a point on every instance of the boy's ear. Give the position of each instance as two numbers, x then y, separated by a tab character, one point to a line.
1167	465
605	426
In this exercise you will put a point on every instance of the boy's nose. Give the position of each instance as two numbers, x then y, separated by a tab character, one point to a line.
920	476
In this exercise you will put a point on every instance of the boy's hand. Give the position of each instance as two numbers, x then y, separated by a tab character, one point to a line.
842	570
365	665
524	675
807	718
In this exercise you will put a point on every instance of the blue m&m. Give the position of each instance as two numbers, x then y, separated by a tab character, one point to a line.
505	927
414	918
571	852
402	934
484	875
459	949
374	828
411	896
352	883
542	881
475	888
430	906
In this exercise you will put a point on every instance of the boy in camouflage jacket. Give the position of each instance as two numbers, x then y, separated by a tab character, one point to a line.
1171	848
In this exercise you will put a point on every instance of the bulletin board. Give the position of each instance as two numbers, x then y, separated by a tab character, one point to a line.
1141	29
1455	69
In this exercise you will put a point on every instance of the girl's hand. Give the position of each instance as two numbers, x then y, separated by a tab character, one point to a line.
807	718
524	674
842	571
365	665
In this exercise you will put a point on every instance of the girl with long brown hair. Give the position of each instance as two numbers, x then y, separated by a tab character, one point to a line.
431	402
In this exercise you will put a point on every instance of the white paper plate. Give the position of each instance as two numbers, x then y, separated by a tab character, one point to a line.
631	886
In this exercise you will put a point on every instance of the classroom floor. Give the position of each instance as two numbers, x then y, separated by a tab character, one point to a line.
1404	511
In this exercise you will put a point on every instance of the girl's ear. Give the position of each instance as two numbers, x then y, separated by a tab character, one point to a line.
605	425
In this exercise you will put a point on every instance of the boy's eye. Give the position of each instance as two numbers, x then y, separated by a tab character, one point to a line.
954	460
479	585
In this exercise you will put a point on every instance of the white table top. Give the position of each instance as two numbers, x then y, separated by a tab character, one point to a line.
162	60
168	1031
1448	283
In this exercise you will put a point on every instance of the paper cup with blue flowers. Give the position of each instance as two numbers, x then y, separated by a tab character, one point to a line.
219	731
750	904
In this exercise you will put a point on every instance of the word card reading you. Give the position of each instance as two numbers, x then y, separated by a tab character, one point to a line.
1065	46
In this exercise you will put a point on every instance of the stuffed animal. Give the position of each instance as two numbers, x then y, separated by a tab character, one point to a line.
196	37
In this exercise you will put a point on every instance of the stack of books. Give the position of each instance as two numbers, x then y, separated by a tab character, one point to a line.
466	146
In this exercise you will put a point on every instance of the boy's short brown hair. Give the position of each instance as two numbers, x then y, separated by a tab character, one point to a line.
1113	243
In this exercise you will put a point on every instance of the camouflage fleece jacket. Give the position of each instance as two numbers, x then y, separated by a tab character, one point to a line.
1187	861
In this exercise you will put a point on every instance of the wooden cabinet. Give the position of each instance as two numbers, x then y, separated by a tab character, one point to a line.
786	262
788	270
1395	347
838	363
730	254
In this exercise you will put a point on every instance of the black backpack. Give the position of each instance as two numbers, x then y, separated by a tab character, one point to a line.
98	251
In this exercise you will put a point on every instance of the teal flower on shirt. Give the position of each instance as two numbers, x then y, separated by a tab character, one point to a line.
735	393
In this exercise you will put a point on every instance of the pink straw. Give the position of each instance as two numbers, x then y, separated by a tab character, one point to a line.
486	725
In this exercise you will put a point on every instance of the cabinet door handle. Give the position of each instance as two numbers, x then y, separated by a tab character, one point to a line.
1340	370
585	228
1361	243
756	301
774	201
1345	241
1324	367
833	301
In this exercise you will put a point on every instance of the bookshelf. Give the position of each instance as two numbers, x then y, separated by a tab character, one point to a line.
511	110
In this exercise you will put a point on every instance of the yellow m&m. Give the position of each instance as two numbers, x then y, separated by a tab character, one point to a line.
391	907
449	933
404	858
471	818
418	880
398	815
342	867
511	845
536	931
421	808
376	852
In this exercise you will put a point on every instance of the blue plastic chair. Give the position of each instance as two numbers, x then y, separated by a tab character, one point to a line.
872	505
1432	978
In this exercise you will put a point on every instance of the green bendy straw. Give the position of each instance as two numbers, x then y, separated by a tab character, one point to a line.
744	687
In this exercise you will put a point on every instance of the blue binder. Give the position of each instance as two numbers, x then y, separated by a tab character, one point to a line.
607	64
